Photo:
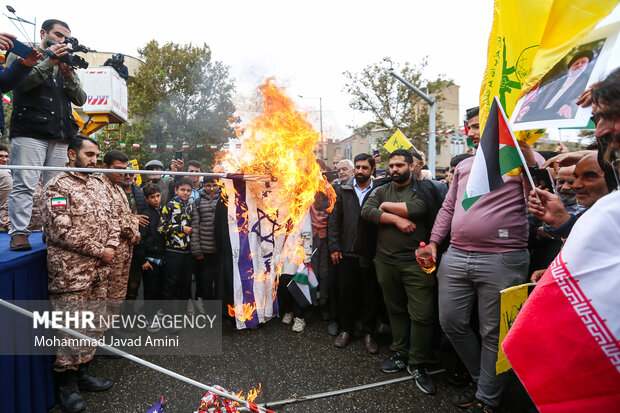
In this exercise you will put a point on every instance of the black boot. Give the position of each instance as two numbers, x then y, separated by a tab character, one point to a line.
87	382
67	394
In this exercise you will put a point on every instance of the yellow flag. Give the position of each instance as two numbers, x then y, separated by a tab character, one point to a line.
527	39
134	163
397	141
512	299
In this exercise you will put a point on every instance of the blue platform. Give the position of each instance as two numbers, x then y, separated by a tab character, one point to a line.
26	382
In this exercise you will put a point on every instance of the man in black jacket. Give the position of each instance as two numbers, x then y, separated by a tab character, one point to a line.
356	284
41	124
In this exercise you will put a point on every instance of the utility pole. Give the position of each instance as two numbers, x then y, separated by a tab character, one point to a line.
432	145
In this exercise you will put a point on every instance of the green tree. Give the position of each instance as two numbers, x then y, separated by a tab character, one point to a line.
392	104
179	95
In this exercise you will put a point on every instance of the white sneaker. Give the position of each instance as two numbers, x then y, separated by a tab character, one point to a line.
190	306
287	318
199	305
298	325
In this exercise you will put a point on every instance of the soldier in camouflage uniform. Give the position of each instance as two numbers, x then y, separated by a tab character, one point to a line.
81	237
130	234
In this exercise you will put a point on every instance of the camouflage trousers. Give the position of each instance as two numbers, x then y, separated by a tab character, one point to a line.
119	274
92	299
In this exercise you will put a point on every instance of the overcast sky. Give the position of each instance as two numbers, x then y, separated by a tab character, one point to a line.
305	45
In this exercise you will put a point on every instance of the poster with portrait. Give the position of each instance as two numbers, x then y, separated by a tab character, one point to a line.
552	103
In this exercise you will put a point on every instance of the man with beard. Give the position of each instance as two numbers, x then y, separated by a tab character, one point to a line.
409	293
82	236
356	284
487	253
128	223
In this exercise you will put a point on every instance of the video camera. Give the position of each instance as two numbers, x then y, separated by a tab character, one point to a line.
72	60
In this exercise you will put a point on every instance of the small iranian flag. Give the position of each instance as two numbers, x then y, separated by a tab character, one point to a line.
153	146
199	145
122	144
135	145
185	146
106	143
214	147
6	98
169	146
59	202
498	153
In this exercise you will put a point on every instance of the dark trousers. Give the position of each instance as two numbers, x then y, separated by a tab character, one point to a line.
177	279
319	263
285	300
151	281
207	277
357	288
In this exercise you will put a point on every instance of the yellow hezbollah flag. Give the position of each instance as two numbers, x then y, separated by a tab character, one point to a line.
527	39
134	163
397	141
512	299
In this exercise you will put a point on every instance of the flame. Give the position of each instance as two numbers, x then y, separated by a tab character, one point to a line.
279	143
252	394
242	312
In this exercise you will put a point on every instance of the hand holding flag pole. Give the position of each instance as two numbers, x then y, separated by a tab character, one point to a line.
516	142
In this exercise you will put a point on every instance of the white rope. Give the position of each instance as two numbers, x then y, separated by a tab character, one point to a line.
145	363
341	391
245	177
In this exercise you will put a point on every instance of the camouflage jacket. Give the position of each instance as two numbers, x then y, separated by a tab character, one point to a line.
174	216
79	224
128	222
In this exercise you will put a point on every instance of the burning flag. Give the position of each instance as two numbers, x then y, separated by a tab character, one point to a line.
265	218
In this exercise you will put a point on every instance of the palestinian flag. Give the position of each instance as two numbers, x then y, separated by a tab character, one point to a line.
153	146
135	145
169	146
301	284
498	153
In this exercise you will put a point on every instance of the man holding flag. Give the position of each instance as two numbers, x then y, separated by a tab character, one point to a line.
484	214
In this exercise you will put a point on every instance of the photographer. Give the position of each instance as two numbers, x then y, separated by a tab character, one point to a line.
42	123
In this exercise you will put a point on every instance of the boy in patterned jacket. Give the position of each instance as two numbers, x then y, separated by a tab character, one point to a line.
175	226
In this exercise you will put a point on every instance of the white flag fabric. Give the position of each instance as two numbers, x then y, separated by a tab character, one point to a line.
256	251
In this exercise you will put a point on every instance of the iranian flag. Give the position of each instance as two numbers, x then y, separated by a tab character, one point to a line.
6	98
169	146
153	146
498	153
565	343
185	146
135	145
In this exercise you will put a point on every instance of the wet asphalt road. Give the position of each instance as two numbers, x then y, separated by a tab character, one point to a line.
287	364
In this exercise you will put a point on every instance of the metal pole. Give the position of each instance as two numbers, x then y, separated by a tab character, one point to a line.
431	122
131	357
246	177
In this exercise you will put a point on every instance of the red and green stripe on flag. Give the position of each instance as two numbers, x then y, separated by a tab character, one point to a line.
498	153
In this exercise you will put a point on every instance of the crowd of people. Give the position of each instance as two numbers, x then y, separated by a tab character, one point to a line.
106	235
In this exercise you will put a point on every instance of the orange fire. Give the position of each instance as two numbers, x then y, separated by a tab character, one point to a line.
280	143
242	312
252	393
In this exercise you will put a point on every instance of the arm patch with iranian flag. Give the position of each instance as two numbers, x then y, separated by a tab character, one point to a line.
59	203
